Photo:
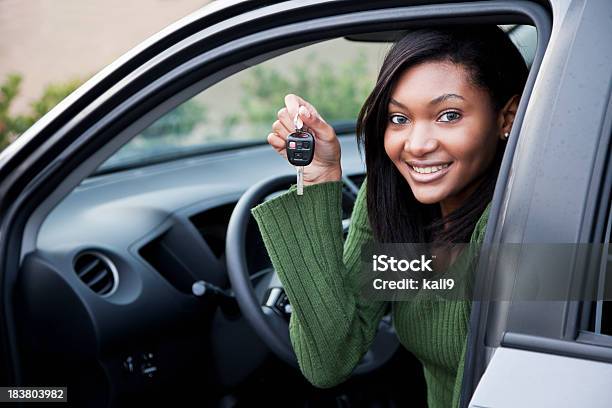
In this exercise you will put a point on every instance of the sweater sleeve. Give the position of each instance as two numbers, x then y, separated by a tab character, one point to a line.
331	326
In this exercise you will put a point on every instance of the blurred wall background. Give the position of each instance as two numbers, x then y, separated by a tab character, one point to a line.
49	47
54	41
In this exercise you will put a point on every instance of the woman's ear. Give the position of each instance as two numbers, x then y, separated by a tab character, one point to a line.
506	116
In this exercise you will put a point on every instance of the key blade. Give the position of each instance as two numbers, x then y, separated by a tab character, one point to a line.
297	122
300	180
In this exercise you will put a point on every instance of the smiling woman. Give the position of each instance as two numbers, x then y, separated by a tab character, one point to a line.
435	126
434	129
450	142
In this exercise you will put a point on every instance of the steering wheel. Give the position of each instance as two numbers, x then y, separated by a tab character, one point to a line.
261	297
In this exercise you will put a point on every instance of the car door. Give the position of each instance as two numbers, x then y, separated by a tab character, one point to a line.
69	143
551	347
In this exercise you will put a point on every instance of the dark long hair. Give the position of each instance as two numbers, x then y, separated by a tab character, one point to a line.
495	65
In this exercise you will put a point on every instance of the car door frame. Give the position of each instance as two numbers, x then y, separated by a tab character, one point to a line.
569	121
74	138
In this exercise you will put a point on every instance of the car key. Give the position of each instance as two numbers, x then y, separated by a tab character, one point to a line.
300	150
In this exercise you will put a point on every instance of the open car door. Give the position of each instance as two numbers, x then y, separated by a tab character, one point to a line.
538	339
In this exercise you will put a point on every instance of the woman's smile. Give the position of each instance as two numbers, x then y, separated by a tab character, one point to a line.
426	173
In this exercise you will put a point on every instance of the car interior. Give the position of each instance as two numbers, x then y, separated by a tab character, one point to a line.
126	298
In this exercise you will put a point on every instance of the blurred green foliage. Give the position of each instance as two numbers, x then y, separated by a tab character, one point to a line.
9	125
13	125
337	92
178	122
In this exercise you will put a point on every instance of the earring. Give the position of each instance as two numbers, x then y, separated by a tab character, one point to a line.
506	135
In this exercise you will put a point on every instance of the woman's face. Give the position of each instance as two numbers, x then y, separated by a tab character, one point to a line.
441	132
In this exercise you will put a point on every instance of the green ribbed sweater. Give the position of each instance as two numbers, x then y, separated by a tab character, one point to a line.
331	326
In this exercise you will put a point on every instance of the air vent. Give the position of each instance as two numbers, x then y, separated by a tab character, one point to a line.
97	272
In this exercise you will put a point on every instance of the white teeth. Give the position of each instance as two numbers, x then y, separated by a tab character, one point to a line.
432	169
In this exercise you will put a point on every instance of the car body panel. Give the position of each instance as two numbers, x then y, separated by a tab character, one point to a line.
553	196
519	378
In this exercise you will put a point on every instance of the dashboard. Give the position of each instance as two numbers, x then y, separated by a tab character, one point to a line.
109	290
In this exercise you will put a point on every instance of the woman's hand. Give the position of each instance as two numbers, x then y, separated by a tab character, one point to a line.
325	165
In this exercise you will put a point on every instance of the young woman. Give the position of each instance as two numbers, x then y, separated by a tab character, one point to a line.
434	130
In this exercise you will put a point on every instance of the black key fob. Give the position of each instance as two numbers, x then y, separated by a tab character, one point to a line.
300	148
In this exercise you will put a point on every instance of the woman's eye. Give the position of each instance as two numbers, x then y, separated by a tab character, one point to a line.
450	116
398	119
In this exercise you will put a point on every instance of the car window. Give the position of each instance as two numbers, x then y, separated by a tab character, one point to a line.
335	76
